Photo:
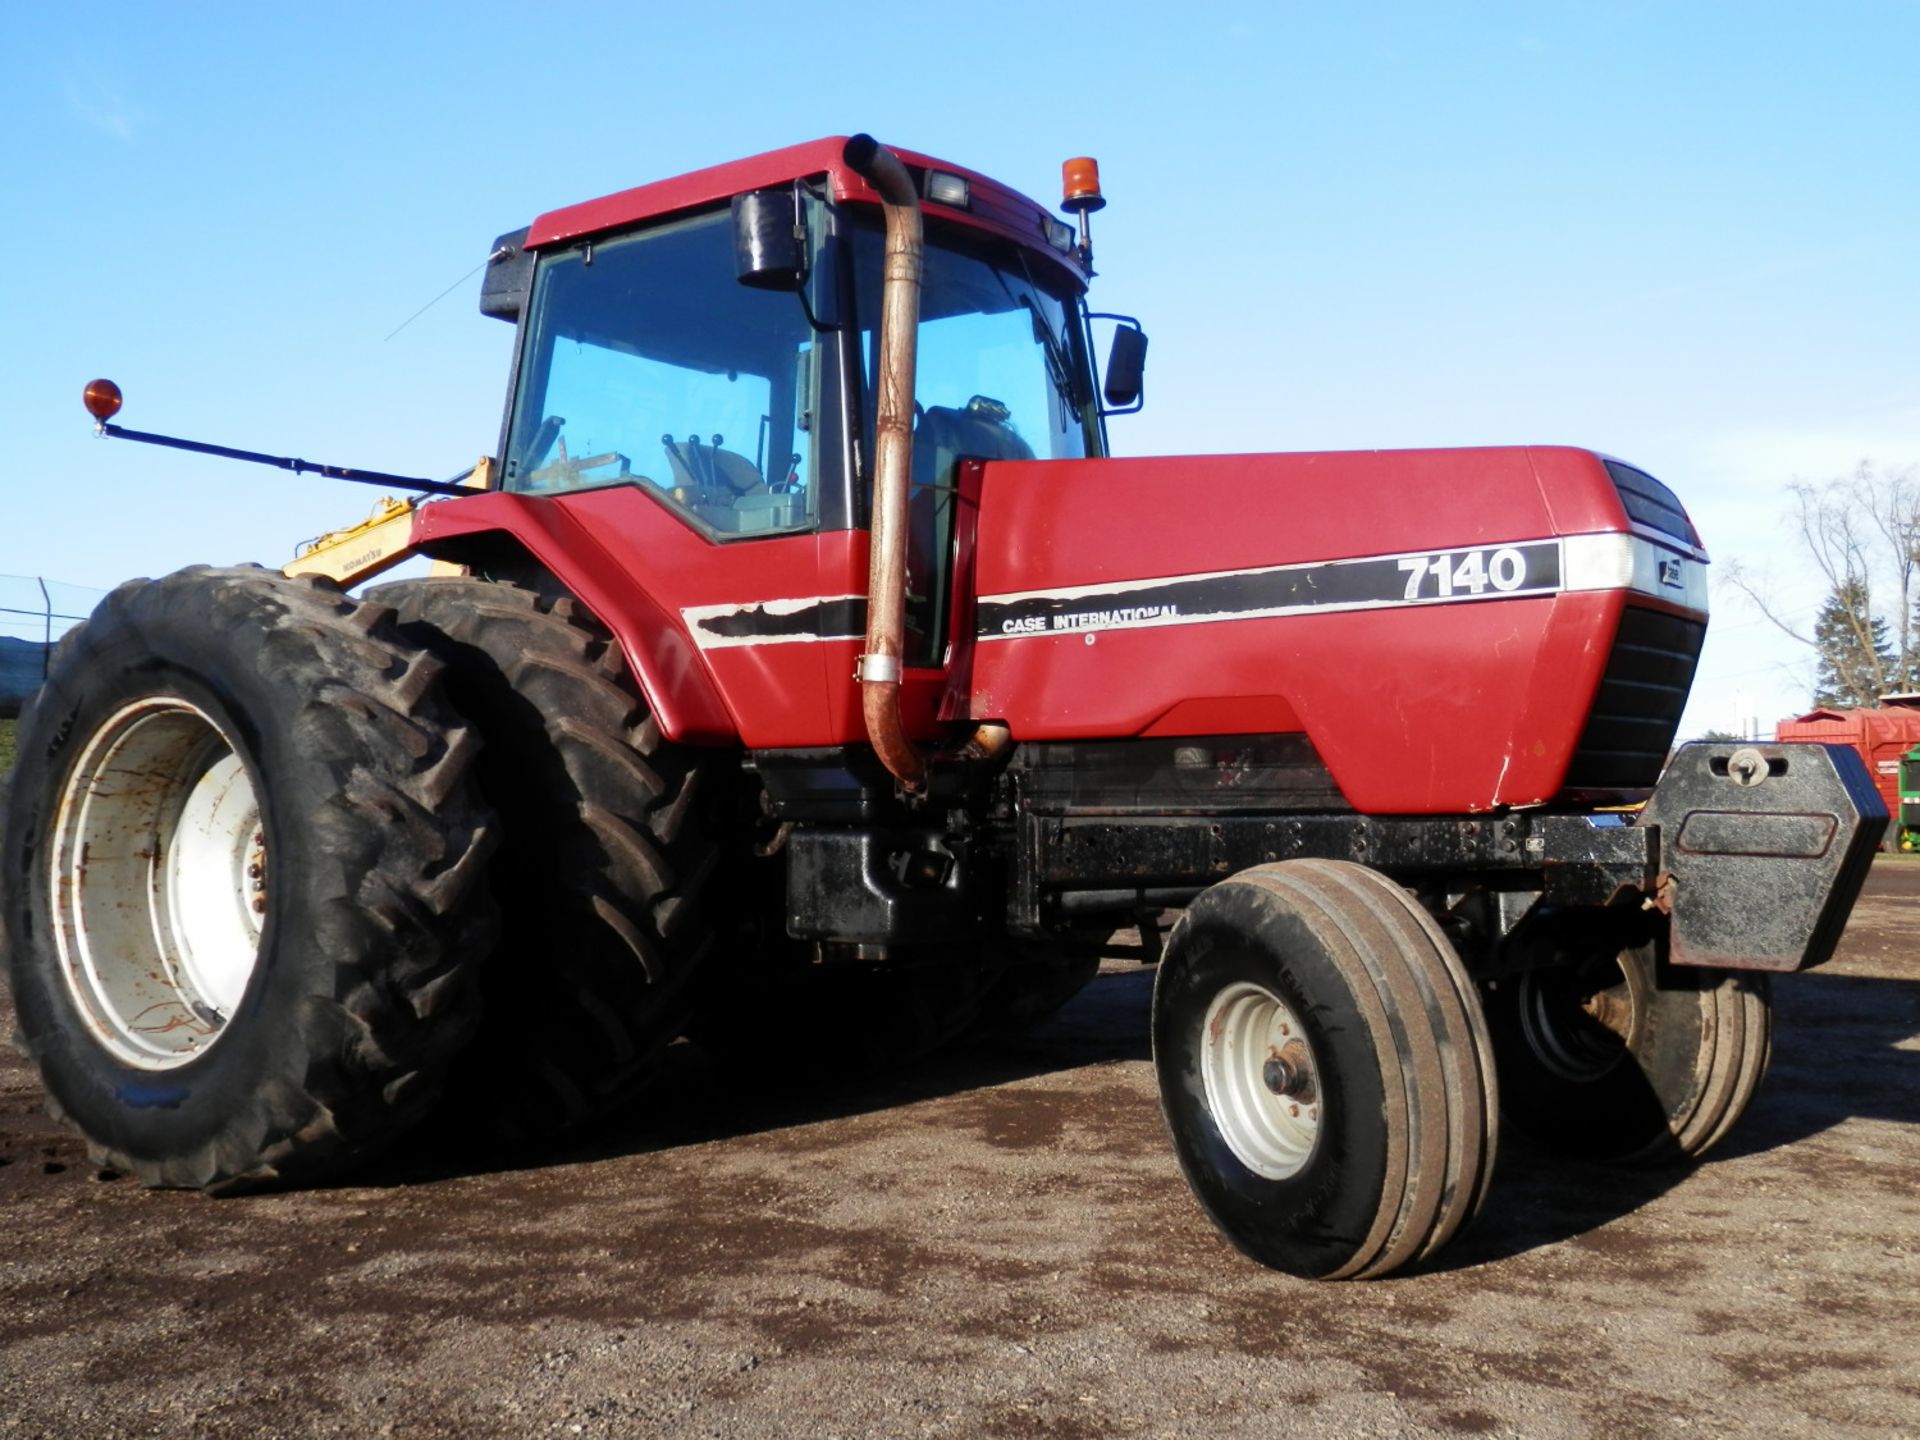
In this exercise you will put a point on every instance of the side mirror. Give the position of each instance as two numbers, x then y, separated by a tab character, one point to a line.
1126	368
767	249
509	278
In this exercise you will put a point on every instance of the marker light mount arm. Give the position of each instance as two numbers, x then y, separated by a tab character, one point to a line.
103	399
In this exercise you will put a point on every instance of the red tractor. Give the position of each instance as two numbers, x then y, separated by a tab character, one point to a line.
807	675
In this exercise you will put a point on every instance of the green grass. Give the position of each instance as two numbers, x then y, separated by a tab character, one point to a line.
6	746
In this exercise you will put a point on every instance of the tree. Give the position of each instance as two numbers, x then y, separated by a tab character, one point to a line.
1857	666
1861	534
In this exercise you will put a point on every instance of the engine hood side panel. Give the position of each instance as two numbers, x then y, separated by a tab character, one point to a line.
1435	619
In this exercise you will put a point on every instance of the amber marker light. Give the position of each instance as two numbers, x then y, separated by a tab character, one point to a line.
1080	195
1080	185
102	399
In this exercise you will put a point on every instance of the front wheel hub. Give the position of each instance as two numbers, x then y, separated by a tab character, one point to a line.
1288	1072
1259	1074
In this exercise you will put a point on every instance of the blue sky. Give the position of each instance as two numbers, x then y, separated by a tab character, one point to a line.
1683	234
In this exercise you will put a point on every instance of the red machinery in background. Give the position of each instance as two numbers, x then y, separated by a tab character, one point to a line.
1887	738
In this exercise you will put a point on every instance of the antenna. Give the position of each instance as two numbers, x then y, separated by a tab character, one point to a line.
495	255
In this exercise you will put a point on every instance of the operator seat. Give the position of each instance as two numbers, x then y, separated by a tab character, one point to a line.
942	437
717	474
723	486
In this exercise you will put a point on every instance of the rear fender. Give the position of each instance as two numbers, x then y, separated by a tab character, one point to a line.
665	662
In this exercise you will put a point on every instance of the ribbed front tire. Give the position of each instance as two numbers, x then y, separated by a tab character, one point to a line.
1324	1070
1627	1060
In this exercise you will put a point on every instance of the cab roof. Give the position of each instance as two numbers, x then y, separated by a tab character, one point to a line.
994	207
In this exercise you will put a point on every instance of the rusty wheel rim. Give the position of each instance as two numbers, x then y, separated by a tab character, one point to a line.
158	882
1261	1080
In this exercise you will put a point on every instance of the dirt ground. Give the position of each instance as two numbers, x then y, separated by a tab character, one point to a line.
1001	1246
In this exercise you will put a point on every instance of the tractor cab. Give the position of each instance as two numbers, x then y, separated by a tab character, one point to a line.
723	357
648	360
660	357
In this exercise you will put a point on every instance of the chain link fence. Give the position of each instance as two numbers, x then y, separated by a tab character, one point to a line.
34	613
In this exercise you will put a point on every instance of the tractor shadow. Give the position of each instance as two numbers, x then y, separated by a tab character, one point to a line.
1106	1023
695	1100
1843	1050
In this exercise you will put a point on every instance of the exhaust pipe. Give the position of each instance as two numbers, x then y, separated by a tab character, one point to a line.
880	666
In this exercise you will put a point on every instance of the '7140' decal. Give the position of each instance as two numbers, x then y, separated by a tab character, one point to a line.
1464	572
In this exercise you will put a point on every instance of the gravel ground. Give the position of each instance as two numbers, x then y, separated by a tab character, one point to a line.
1000	1246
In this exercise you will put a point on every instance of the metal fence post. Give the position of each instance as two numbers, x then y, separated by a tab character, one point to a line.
46	631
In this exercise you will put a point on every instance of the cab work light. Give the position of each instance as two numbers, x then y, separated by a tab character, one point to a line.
945	189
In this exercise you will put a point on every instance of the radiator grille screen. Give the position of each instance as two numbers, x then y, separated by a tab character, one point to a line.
1637	709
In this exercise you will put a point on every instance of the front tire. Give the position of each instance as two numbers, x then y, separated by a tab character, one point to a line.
242	878
1627	1060
1324	1070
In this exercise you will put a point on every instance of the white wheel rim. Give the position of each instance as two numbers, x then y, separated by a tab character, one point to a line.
1261	1080
159	882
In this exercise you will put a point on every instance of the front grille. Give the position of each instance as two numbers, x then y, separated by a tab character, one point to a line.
1637	708
1651	504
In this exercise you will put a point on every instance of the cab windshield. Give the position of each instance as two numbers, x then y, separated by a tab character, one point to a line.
1001	373
648	363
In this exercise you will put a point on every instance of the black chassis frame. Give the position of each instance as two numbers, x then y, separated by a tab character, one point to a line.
1012	854
1080	864
1744	857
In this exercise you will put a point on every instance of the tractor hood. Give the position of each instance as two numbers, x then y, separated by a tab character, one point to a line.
1453	629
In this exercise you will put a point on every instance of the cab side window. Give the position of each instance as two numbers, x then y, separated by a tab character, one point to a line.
649	364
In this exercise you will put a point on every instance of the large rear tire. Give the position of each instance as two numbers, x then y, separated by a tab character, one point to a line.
242	878
1628	1060
778	1014
1324	1070
601	873
1040	978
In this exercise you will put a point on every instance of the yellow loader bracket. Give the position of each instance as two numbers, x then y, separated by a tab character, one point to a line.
378	543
